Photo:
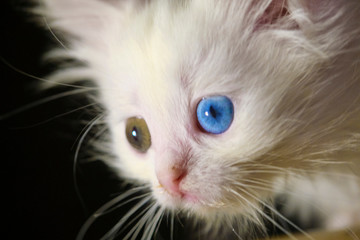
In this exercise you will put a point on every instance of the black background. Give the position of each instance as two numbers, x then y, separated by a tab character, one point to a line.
38	148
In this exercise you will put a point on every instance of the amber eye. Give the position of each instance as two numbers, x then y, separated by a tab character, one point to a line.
137	133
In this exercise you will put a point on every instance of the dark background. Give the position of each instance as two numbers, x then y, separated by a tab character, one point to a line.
38	146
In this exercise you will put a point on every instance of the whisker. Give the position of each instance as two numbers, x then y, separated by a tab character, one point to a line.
85	128
278	214
98	134
306	198
258	181
353	234
57	116
42	101
162	210
53	34
135	230
126	202
236	234
89	127
252	171
265	168
172	225
251	186
263	214
155	224
270	187
134	219
99	212
179	220
150	228
105	208
85	227
299	172
117	226
333	174
43	79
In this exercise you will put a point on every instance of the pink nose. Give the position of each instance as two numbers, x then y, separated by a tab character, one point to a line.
170	179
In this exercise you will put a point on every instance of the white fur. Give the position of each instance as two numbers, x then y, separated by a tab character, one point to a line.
295	85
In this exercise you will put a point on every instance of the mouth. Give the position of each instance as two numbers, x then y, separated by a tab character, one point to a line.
194	203
179	195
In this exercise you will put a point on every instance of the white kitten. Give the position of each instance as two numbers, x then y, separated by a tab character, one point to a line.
290	69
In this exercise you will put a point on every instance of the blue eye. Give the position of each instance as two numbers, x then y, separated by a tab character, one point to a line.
215	114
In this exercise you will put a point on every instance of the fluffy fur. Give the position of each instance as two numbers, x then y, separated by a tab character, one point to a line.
291	68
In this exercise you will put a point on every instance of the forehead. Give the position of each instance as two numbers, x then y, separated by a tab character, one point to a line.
168	60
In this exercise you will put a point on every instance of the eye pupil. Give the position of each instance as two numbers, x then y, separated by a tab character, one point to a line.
215	114
212	112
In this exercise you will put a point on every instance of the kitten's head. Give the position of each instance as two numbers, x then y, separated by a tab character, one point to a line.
267	73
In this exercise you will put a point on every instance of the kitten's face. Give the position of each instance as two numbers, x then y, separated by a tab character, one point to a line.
161	74
185	165
154	64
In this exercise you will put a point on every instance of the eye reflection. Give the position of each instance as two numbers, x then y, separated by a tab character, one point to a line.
134	133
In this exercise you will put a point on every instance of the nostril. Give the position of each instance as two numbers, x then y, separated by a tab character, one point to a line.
179	178
178	173
170	180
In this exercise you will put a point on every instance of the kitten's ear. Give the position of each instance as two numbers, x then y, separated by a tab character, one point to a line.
81	19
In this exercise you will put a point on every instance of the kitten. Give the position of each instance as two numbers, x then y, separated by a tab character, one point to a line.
221	106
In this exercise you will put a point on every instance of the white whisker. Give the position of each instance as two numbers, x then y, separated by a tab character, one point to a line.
353	234
106	208
236	234
273	210
53	34
158	222
128	201
135	230
117	226
269	188
172	219
134	218
43	79
57	116
151	225
103	208
263	214
86	129
77	151
98	134
42	101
